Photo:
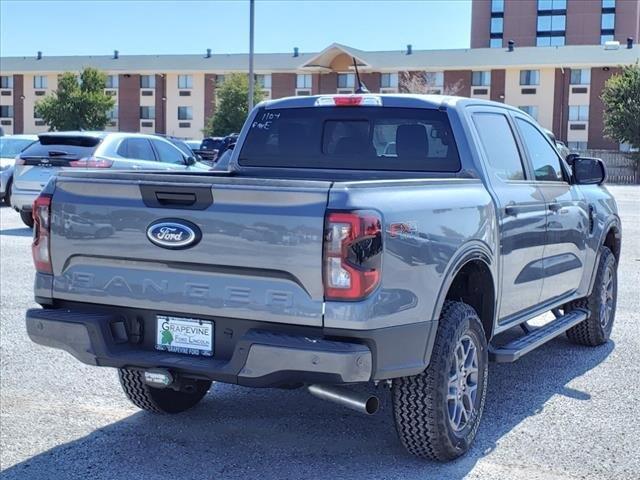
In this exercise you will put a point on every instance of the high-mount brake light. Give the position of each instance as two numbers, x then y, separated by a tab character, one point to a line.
91	162
349	101
352	254
41	247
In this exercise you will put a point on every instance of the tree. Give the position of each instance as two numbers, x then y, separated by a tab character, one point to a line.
231	107
425	83
79	103
621	97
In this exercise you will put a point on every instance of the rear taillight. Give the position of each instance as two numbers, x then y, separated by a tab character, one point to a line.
352	254
40	248
349	101
91	162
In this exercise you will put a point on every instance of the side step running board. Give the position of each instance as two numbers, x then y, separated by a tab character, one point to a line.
514	350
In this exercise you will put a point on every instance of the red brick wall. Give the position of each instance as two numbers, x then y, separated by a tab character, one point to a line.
161	92
315	83
497	85
371	80
460	79
596	109
129	103
328	83
583	22
283	85
480	23
561	103
521	22
627	21
18	104
209	95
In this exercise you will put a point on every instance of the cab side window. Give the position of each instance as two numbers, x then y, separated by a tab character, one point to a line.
137	149
544	158
167	153
499	146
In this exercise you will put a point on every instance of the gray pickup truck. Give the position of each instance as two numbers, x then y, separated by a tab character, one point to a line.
398	241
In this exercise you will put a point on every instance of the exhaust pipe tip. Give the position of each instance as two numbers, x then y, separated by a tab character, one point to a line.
372	405
360	402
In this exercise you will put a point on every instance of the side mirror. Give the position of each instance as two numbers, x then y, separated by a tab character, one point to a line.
189	161
571	158
589	171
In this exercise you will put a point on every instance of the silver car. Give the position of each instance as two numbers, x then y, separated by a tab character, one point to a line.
10	146
55	151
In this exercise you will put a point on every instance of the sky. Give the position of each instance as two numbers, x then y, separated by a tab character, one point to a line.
97	27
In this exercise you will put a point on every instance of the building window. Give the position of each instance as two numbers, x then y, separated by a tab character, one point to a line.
185	113
529	77
147	113
606	38
608	21
497	6
6	81
346	80
6	111
577	146
147	81
530	110
113	113
551	5
481	79
434	79
497	25
303	80
39	81
112	81
389	80
580	76
219	80
552	23
578	113
263	81
185	81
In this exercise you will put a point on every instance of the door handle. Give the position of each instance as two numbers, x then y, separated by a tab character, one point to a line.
511	210
555	206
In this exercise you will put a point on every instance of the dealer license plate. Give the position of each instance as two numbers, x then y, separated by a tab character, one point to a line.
191	336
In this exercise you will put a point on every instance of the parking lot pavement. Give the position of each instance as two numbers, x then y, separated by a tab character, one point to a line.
562	411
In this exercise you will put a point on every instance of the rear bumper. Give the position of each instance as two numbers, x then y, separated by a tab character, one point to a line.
23	199
257	354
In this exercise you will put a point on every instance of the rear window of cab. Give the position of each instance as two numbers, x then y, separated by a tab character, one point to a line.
351	138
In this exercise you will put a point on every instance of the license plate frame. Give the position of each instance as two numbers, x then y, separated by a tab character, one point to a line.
185	335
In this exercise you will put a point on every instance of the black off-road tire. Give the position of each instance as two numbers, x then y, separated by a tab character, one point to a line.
26	217
421	404
159	400
596	329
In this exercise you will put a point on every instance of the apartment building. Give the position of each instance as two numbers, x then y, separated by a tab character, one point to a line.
545	23
175	94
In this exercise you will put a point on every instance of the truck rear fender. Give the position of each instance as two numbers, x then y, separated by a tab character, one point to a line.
473	258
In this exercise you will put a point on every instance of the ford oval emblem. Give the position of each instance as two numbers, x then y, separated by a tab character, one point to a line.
173	233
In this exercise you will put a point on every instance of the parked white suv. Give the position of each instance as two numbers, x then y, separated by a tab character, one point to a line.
10	146
55	151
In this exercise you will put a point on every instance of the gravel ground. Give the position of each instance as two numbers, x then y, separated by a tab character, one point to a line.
562	411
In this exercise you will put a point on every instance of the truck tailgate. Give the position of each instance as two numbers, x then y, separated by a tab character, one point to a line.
259	257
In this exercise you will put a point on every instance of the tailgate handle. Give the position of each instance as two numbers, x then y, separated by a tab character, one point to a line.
174	198
178	196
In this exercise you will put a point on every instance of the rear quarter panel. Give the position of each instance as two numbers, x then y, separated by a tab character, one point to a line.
444	221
